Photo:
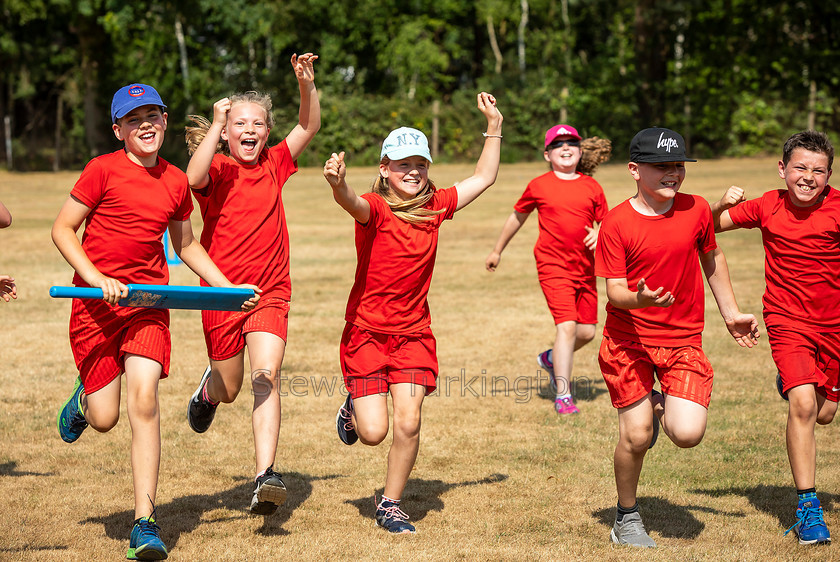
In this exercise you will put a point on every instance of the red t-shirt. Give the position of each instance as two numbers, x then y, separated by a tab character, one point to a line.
394	269
801	257
564	208
245	230
664	250
131	207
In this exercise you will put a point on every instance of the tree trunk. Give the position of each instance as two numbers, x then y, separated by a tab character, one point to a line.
185	68
523	24
494	44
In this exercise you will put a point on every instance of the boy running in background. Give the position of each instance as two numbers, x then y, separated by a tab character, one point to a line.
127	199
648	252
800	229
569	205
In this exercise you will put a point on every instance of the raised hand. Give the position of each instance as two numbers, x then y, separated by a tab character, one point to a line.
732	197
487	106
304	66
220	111
335	169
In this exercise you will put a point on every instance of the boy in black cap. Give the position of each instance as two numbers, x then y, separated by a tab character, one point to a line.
648	250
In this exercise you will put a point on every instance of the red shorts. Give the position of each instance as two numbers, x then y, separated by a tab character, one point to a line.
372	361
571	300
224	331
101	335
810	358
628	368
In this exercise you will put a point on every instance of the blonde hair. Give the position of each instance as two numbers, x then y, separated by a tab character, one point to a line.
414	210
195	134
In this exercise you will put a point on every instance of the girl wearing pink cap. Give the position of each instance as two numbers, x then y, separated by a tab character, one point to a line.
570	205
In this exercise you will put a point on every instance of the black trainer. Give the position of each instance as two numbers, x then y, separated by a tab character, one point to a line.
344	423
269	493
200	412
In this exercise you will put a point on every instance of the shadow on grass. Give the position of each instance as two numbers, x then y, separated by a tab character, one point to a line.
666	518
184	514
10	469
422	496
584	389
777	501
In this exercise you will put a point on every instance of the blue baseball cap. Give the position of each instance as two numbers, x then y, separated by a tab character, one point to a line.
404	142
131	97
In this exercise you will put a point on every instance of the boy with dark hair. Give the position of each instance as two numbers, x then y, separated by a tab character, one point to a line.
800	230
648	250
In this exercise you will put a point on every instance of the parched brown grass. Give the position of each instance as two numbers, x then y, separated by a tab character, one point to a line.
499	476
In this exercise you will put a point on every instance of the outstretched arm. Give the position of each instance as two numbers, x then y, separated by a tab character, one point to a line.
190	250
199	167
743	327
512	225
620	295
720	209
488	163
335	171
310	108
68	221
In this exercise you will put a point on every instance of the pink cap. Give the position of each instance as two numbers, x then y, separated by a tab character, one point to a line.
560	131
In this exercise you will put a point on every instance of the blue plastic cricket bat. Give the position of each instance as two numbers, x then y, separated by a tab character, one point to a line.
166	296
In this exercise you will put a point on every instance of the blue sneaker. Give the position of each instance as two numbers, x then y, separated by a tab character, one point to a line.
344	423
544	362
780	387
71	421
390	517
810	525
145	543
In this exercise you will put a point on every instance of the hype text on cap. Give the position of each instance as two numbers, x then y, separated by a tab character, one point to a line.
658	144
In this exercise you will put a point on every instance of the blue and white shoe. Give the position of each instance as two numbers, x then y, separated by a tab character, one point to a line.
544	361
810	525
390	517
344	423
145	542
71	421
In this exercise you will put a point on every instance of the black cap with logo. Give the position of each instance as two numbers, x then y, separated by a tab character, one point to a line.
658	145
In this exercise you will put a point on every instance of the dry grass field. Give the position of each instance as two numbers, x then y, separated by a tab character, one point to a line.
499	476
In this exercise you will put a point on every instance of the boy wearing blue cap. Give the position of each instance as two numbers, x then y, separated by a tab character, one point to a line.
127	199
648	250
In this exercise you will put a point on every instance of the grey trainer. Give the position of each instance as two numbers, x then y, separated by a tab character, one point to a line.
630	531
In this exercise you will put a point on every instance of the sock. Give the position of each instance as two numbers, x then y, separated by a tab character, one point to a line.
257	477
561	396
805	494
622	511
206	397
385	498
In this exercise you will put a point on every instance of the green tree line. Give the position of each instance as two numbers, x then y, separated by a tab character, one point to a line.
734	76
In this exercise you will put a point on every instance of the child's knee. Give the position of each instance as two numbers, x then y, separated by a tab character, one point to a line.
686	437
372	434
585	333
827	412
407	426
637	441
102	421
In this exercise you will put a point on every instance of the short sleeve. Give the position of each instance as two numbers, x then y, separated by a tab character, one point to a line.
527	202
610	255
283	162
746	214
90	187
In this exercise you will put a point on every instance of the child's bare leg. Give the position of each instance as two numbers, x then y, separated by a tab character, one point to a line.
801	443
635	430
370	418
141	380
570	337
825	410
683	421
102	408
226	378
265	352
408	399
